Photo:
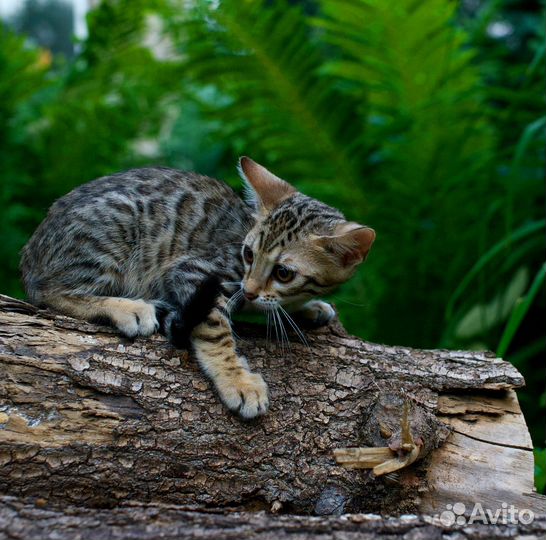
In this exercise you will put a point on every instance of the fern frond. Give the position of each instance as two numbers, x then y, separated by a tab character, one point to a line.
426	110
265	59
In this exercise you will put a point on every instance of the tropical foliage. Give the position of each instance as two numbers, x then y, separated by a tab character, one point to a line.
409	116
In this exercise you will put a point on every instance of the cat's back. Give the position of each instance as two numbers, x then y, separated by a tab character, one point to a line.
144	198
133	221
144	185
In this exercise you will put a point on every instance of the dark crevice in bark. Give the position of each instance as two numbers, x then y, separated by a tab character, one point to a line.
487	441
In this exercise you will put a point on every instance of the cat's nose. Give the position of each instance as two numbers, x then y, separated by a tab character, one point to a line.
250	295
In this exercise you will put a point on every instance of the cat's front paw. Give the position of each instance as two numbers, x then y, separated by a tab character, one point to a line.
317	312
135	318
244	393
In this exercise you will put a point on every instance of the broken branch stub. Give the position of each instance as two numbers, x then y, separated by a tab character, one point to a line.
402	451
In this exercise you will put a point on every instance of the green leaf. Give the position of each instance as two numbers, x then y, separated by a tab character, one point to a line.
521	309
492	254
540	469
265	60
482	317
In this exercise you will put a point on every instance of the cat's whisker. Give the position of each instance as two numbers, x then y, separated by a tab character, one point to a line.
274	319
278	334
287	339
281	331
227	307
268	329
347	301
284	335
230	288
288	343
236	298
232	302
295	327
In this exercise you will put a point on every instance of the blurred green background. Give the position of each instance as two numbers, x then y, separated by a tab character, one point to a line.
424	120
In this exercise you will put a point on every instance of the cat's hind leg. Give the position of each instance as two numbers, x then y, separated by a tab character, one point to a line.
131	317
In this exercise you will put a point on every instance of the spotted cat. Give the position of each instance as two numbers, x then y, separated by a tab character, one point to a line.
159	249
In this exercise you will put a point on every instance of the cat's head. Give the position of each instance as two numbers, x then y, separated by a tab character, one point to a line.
299	247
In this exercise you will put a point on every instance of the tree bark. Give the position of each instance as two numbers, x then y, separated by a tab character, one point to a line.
90	418
19	519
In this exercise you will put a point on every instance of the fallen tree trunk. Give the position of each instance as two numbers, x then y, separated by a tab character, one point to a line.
90	418
24	520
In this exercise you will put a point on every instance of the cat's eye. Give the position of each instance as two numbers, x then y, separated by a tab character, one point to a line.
248	256
283	274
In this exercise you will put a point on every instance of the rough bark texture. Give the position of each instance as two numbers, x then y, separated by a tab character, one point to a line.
27	521
89	418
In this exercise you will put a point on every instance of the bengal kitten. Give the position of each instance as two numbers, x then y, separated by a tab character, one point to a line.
159	249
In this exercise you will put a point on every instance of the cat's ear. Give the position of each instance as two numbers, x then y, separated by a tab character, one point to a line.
350	243
264	190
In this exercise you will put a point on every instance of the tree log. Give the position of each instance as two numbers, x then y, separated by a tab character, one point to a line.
90	418
24	520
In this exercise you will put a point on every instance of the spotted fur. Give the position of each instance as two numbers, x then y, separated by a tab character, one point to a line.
157	248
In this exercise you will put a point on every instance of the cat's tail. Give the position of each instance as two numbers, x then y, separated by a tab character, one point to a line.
177	322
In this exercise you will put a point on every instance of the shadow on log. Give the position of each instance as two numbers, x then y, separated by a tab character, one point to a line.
90	418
